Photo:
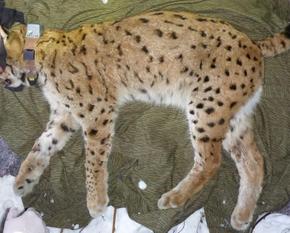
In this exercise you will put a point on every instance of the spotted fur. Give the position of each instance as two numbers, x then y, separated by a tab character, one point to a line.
201	65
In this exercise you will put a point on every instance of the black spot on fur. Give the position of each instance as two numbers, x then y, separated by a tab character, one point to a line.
173	36
120	52
239	62
179	16
204	139
28	181
84	36
78	90
93	132
233	104
138	38
143	90
145	49
233	87
144	20
210	99
201	20
219	42
158	13
91	107
211	124
228	47
283	43
64	127
54	141
212	66
184	70
221	121
209	110
158	32
128	33
180	57
200	65
206	79
83	50
200	130
103	141
202	33
207	89
227	73
200	105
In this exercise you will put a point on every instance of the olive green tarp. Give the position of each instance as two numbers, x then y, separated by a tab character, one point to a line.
151	143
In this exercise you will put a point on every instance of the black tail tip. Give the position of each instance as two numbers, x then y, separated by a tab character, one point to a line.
287	31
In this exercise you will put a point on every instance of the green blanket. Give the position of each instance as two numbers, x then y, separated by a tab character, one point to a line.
151	143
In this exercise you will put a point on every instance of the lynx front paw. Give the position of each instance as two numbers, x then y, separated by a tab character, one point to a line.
24	185
29	173
172	199
97	205
241	218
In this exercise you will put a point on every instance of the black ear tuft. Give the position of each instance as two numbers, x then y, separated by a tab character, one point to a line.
287	31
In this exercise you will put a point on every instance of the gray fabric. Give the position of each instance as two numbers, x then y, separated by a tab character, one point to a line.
9	161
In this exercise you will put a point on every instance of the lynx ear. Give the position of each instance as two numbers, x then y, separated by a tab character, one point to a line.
14	43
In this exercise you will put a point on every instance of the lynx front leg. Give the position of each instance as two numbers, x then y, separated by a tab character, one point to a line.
59	129
98	146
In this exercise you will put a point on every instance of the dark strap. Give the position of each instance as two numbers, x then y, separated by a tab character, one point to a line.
2	4
3	55
10	16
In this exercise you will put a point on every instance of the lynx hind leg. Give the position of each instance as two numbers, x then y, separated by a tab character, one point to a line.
240	143
206	132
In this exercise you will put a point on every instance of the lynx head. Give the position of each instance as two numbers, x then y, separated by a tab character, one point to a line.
12	72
